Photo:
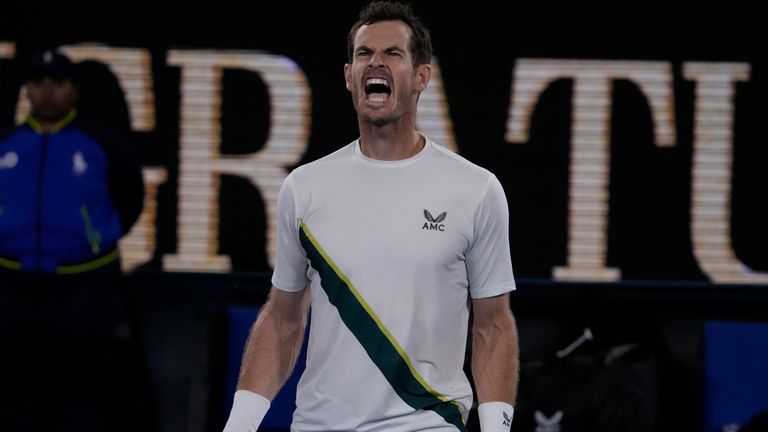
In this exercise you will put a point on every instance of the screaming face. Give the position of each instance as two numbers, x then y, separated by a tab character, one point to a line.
383	81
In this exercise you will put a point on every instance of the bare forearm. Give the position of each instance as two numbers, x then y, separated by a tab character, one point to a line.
271	351
495	359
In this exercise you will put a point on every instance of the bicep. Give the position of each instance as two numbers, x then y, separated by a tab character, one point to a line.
488	260
291	268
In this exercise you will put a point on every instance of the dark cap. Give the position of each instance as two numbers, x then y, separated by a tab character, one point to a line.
50	63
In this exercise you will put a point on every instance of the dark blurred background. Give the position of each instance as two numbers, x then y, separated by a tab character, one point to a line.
656	326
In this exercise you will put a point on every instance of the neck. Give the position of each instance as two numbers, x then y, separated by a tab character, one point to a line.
49	125
388	144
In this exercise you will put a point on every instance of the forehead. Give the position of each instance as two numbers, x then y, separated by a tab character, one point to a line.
52	78
383	34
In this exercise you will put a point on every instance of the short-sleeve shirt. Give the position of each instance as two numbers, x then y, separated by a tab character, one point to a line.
392	251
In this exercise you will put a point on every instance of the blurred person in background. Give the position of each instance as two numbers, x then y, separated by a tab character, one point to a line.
69	190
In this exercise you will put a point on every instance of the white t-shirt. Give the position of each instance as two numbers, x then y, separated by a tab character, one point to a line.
393	251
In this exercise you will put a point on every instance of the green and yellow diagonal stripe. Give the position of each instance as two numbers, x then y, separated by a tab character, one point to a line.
378	342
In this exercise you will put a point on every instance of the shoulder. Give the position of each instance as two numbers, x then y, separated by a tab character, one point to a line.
9	131
115	145
459	168
94	131
326	164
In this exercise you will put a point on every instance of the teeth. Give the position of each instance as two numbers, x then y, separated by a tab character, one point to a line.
373	81
377	99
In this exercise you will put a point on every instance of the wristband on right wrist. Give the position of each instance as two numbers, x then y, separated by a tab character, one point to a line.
495	416
248	410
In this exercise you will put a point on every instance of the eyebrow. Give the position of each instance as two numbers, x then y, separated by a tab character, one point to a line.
388	49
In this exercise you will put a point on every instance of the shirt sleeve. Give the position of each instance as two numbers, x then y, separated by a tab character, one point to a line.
291	267
489	262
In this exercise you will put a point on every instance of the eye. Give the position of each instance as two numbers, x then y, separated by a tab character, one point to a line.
395	54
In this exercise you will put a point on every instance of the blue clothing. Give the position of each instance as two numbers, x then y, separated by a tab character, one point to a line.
66	197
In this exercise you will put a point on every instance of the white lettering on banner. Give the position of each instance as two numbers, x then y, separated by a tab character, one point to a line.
712	176
432	117
138	246
132	68
201	162
7	49
590	147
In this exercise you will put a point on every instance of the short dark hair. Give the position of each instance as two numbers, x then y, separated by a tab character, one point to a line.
420	43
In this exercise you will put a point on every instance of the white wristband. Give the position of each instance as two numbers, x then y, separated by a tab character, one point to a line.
495	416
248	410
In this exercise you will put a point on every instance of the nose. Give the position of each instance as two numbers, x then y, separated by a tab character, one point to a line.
48	86
45	86
377	59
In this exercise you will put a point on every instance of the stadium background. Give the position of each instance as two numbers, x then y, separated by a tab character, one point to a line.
614	166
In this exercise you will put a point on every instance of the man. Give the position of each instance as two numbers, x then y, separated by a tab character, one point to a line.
68	191
395	236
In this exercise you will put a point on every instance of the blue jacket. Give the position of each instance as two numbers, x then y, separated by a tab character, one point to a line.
66	197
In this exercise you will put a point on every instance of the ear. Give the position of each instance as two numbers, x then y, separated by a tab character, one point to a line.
423	74
347	75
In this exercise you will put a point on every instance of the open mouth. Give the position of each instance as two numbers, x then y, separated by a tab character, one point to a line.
377	90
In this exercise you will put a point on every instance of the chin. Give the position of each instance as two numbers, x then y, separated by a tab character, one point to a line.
51	116
376	119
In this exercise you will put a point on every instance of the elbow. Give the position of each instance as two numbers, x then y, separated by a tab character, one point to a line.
498	325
